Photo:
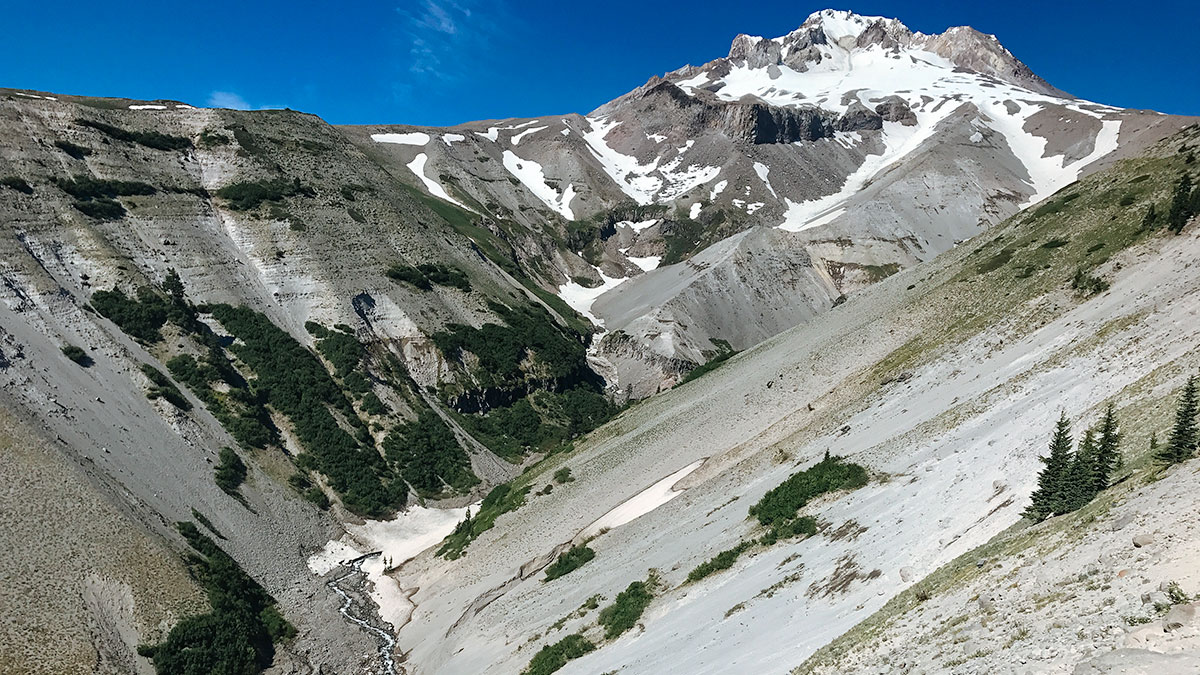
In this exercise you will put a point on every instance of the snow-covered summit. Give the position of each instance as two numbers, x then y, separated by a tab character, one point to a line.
842	42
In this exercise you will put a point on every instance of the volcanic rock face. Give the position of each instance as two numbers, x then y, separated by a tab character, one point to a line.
786	132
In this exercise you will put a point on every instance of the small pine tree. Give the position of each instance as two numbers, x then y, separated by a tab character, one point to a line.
1148	221
1050	497
1182	444
1080	482
1180	206
1108	450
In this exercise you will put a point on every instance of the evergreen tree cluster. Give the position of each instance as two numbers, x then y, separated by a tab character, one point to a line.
1072	478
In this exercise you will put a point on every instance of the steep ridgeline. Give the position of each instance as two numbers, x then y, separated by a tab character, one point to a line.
732	200
242	321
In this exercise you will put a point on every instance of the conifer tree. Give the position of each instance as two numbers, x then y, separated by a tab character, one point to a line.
1051	494
1080	482
1180	204
1182	444
1108	450
1151	216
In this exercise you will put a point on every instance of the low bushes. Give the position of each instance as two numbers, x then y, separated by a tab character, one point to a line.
251	194
230	472
552	657
17	183
722	561
779	505
163	387
78	355
626	608
237	636
569	561
502	499
424	276
150	139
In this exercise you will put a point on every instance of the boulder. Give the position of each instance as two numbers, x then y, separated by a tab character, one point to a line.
1142	540
1179	616
907	574
895	109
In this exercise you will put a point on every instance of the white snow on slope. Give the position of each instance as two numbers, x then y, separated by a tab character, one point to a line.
643	502
899	140
517	138
492	134
580	297
763	170
531	175
694	212
625	170
717	189
148	107
417	166
411	138
412	531
452	138
638	226
650	262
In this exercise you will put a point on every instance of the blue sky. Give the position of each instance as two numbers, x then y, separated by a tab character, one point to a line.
448	61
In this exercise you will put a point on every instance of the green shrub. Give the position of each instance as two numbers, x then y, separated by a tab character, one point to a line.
1088	284
780	504
626	609
298	386
231	472
151	139
142	318
211	138
251	194
86	187
563	475
428	456
101	209
425	275
75	151
16	183
340	348
163	387
237	636
722	561
373	406
78	355
569	561
502	499
552	657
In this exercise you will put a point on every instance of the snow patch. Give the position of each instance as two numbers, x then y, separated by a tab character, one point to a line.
648	263
448	139
717	189
517	138
643	502
531	175
694	212
580	297
148	107
411	138
417	166
763	170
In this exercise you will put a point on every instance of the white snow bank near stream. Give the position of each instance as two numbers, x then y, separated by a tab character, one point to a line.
398	540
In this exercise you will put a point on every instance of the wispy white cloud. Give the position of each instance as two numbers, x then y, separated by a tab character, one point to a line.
227	99
445	37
